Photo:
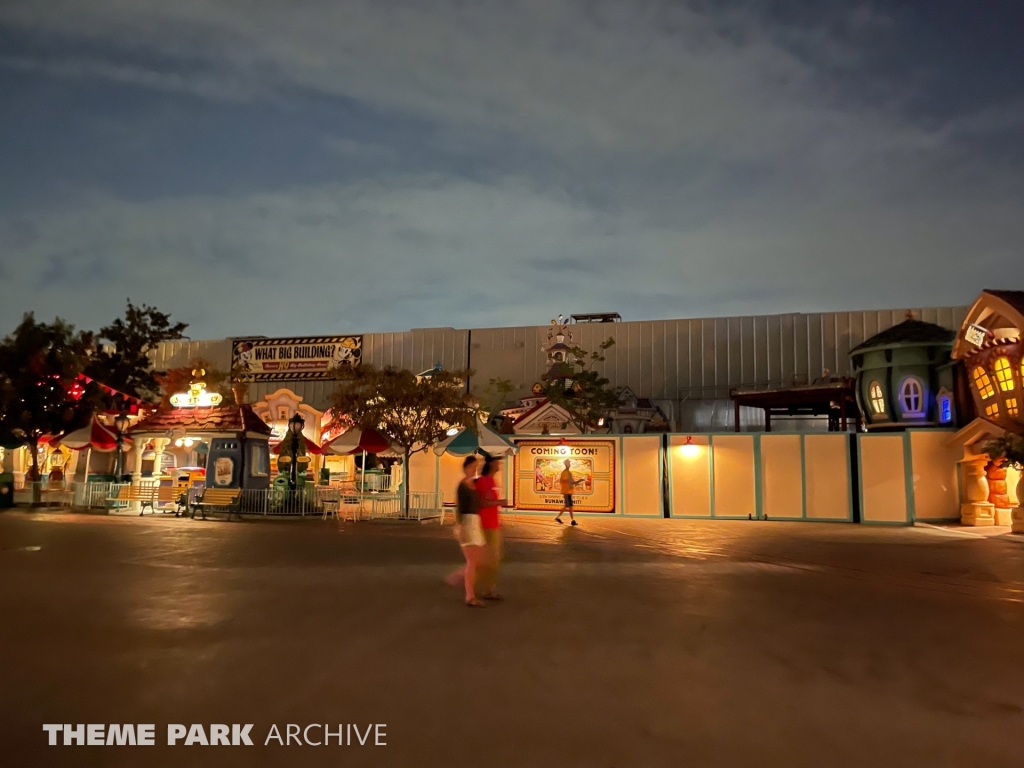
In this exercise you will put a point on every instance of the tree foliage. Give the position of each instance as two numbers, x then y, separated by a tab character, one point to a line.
1008	449
590	396
126	365
39	391
415	412
492	399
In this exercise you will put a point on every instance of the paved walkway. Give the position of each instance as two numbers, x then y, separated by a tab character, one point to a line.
622	643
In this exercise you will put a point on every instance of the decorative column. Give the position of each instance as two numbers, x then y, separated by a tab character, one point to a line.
995	473
159	444
976	509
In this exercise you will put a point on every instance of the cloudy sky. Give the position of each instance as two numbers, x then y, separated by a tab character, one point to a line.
317	166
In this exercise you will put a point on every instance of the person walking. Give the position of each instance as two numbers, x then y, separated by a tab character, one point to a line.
468	532
490	522
567	483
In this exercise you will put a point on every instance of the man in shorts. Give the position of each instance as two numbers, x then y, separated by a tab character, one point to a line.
566	484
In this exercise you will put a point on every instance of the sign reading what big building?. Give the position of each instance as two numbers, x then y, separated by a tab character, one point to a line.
538	471
311	357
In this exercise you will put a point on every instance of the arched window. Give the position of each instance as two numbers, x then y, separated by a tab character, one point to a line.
877	398
945	409
1004	374
983	383
912	397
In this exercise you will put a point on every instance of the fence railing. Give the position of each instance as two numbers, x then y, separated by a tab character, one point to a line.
61	494
308	501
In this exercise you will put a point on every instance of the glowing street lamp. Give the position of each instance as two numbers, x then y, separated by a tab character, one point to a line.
120	425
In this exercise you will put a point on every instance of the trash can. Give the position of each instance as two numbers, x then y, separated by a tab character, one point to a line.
6	490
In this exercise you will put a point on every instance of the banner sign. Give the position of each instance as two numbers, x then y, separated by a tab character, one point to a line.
539	468
975	335
313	357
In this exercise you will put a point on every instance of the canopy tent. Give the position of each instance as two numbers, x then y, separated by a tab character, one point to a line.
311	447
484	440
358	440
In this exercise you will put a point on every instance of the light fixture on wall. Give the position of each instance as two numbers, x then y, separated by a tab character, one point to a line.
688	449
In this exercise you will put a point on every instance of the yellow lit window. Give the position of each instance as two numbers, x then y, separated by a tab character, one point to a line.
877	398
1004	374
992	410
983	383
1011	406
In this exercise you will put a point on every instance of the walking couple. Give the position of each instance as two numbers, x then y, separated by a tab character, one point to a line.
478	530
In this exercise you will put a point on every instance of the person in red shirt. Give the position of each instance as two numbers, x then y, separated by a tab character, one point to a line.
490	520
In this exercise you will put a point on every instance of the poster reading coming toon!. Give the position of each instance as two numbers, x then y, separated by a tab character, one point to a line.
314	357
538	471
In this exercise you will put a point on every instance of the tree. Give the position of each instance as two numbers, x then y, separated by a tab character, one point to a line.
414	412
493	398
126	366
589	397
175	380
41	394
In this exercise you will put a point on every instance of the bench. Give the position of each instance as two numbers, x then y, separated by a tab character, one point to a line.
218	498
144	494
168	494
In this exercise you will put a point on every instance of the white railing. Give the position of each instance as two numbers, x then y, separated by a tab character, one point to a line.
63	494
310	500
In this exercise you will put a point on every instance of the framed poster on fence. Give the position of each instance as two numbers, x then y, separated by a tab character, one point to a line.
539	474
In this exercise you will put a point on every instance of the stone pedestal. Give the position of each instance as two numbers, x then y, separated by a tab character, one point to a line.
1017	519
977	509
1017	513
977	513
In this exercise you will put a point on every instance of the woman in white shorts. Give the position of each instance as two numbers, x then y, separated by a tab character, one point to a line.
468	530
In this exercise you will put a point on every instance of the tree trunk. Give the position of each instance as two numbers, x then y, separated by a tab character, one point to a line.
405	483
37	496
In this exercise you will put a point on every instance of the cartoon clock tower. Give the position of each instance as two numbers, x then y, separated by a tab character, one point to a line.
559	354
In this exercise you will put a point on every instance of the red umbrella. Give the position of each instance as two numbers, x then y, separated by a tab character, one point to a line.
97	436
311	447
360	440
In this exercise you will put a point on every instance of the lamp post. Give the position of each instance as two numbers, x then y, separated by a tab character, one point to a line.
295	425
120	425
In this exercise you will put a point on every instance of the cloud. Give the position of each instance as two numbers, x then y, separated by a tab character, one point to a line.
607	75
414	252
206	86
656	159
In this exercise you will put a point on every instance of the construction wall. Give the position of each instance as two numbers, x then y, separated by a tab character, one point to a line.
774	476
640	469
902	477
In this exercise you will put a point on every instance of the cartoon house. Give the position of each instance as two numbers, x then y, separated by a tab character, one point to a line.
635	415
990	346
904	376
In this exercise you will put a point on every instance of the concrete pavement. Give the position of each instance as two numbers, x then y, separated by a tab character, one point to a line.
621	643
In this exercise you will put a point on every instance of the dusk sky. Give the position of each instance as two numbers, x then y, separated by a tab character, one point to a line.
364	165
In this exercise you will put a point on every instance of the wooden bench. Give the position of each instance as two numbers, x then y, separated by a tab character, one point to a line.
218	498
144	494
168	494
